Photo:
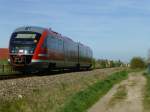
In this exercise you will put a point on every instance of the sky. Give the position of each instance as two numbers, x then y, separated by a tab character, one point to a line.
114	29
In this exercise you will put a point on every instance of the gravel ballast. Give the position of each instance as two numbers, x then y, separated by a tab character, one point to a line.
20	87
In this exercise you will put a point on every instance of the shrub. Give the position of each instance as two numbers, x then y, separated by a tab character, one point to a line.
137	62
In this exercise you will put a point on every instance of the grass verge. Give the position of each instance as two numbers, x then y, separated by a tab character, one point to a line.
82	100
3	62
146	101
135	70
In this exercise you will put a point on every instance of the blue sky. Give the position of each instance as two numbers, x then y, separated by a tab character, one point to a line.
114	29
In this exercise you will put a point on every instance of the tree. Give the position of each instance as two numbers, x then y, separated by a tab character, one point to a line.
118	63
137	62
112	64
103	63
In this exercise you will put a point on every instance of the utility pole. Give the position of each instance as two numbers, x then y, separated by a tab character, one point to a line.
148	61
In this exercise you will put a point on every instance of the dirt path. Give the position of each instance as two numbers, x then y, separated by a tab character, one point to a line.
129	98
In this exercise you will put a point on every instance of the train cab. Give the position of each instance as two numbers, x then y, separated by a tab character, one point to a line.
22	46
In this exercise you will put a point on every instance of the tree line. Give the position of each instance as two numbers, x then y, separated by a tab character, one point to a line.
104	63
135	63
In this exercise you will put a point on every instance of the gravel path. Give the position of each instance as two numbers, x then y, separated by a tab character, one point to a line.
14	88
132	103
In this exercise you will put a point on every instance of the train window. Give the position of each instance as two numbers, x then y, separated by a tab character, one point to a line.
25	36
55	44
60	45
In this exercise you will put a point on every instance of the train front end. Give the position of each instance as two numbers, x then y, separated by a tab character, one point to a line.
22	46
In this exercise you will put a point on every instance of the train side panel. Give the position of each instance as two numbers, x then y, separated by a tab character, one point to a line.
71	53
85	56
55	51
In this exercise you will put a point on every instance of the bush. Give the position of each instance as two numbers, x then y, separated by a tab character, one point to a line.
102	63
137	63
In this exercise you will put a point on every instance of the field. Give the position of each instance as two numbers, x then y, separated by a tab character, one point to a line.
108	90
47	93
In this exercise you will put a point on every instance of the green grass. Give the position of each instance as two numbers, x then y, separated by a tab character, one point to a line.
135	70
82	100
5	68
3	62
146	101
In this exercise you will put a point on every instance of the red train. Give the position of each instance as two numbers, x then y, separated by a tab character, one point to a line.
36	48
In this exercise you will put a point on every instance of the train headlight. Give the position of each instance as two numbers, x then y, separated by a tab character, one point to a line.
13	51
31	51
25	51
35	41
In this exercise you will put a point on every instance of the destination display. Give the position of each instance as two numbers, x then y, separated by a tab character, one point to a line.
26	36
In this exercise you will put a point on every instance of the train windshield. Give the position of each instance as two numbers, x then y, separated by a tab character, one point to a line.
24	41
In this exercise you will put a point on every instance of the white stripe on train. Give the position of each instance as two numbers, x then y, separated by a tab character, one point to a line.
46	55
37	60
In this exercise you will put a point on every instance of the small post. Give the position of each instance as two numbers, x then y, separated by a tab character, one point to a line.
3	68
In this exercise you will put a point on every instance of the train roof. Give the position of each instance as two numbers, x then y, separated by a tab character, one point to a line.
41	29
84	45
30	28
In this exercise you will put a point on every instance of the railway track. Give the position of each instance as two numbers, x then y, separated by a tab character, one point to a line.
12	76
21	75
